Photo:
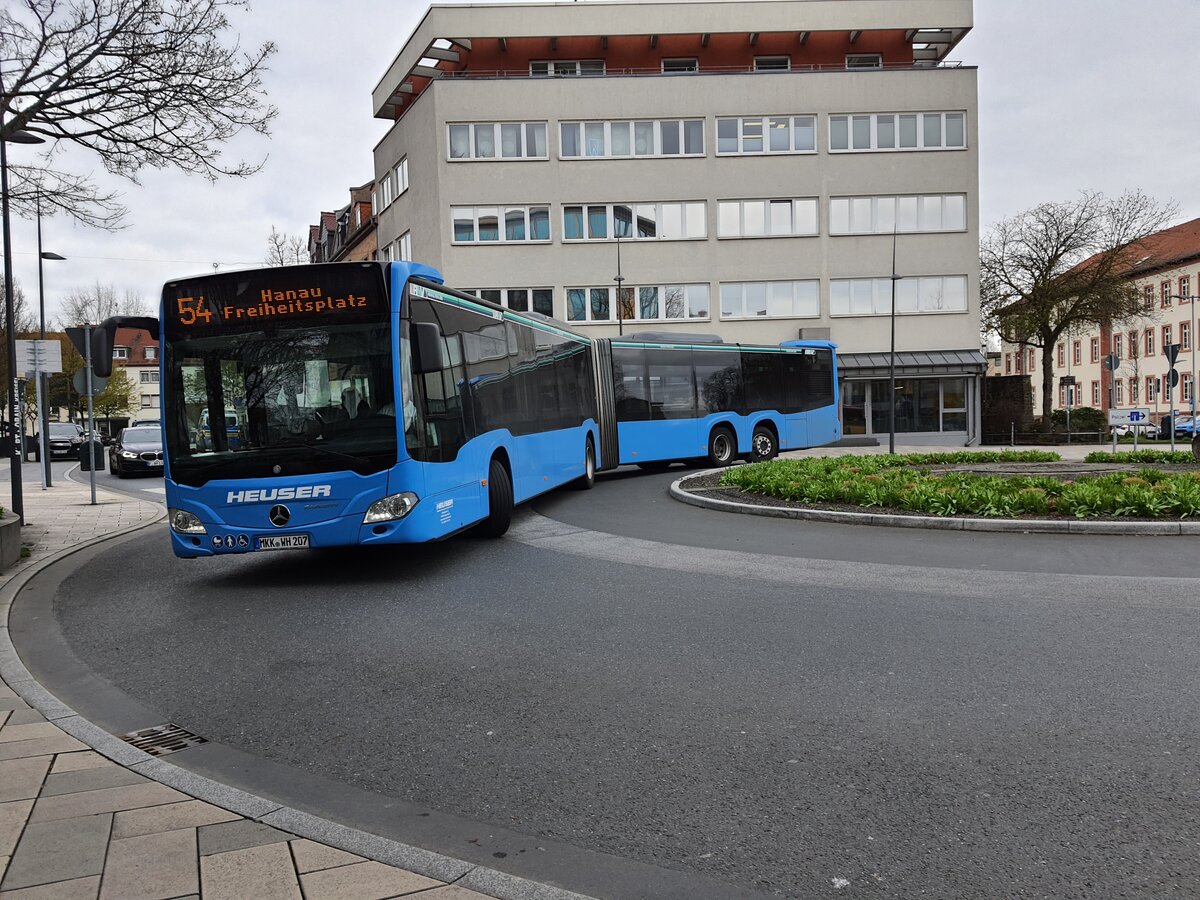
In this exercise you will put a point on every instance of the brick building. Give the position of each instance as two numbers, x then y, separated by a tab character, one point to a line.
348	234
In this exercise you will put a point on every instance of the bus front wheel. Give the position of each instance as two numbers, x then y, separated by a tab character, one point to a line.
763	445
722	447
587	480
500	501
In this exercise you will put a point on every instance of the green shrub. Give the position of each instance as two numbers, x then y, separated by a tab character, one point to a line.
1182	457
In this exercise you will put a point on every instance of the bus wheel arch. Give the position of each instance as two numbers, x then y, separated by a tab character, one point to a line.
587	480
764	442
500	496
722	445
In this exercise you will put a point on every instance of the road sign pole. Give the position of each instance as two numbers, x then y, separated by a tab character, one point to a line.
87	331
42	430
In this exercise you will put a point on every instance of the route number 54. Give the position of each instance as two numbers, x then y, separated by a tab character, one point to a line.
193	309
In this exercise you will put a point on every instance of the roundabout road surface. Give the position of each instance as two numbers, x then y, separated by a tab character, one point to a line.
632	697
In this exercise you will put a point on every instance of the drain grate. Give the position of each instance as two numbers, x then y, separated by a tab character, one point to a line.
163	739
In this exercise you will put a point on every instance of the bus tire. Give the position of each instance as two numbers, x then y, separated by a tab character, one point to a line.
500	501
722	446
587	480
763	445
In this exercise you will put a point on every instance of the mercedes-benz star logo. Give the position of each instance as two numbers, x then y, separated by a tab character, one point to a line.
279	516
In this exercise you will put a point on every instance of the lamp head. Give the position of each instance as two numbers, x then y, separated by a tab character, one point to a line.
50	254
24	137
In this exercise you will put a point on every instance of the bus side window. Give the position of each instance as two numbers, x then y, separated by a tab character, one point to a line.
629	383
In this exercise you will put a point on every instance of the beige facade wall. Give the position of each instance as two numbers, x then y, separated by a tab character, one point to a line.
437	184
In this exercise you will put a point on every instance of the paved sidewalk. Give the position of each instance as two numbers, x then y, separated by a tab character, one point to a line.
74	824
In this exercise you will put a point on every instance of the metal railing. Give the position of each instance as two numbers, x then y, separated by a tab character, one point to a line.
641	72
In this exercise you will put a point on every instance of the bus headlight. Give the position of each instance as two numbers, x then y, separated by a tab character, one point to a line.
185	523
397	506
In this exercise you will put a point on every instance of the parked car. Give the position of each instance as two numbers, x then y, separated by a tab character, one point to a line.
1143	431
136	449
64	440
136	422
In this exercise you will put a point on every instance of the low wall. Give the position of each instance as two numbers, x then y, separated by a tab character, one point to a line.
10	541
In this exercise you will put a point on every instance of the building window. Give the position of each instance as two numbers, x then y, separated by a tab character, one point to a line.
567	67
766	134
1133	344
1185	334
386	190
1117	345
897	131
1019	358
1166	336
1077	353
1133	391
766	218
872	296
864	61
120	353
770	299
401	172
1095	393
500	224
1185	288
772	63
1149	342
642	303
1062	356
680	65
635	221
1151	389
1165	287
883	215
495	140
148	377
538	300
1095	344
659	137
1120	386
1186	382
1031	367
1007	363
1062	395
404	247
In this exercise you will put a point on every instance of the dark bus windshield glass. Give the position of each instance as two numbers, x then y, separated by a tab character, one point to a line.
288	390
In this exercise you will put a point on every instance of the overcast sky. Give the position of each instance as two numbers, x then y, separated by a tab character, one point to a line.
1073	95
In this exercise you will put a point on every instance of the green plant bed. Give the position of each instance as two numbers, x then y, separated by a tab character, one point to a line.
892	482
1156	457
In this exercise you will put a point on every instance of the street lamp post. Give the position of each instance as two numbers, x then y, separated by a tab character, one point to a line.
16	433
619	280
892	356
43	378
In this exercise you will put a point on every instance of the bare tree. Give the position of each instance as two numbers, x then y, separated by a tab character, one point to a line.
140	83
1064	266
95	304
286	249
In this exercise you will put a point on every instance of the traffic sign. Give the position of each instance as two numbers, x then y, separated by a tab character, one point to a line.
1112	362
1067	379
38	356
1171	352
80	383
1137	416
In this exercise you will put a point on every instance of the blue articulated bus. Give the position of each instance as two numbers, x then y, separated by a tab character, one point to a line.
367	403
373	405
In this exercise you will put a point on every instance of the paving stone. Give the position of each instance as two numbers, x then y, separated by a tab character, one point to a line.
13	703
13	817
453	892
189	814
108	800
311	856
363	881
25	717
74	762
21	779
264	873
152	866
3	866
75	889
238	835
6	691
60	743
28	732
58	851
90	780
4	716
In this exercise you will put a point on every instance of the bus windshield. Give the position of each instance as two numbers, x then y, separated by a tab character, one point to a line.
301	393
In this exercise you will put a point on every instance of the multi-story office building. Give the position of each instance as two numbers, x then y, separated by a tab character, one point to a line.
743	168
1167	279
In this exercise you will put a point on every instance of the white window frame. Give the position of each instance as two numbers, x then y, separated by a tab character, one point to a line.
760	60
692	63
386	185
151	352
1096	393
403	247
690	292
1185	336
502	212
771	291
148	376
497	142
504	297
764	126
581	138
120	353
915	295
810	205
401	171
689	211
902	213
864	60
563	67
873	123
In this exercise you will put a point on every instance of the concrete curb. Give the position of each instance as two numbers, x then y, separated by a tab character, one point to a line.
1039	526
454	871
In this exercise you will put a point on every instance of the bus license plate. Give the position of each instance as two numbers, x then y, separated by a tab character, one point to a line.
281	542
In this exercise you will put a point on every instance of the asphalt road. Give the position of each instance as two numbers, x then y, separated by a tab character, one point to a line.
769	704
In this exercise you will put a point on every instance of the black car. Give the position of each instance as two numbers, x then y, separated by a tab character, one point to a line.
64	440
136	450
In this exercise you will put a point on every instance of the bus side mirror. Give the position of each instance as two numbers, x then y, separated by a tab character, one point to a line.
427	348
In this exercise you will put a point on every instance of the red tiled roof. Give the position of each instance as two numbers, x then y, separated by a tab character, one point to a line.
1168	247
